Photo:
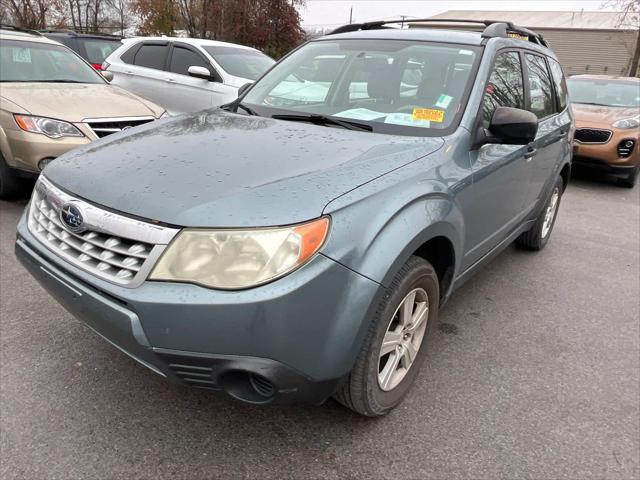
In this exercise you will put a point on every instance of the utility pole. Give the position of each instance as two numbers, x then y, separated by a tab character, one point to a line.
402	17
350	15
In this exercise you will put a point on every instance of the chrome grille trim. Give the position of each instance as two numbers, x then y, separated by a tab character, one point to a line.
102	127
113	247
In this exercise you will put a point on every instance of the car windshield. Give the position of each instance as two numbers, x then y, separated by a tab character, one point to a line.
241	62
393	86
98	49
611	93
22	61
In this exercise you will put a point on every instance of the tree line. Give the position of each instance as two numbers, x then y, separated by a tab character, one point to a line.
272	26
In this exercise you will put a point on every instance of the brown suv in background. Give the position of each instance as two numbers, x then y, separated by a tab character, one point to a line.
607	114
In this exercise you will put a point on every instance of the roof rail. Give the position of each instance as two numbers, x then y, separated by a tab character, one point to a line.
57	30
6	26
492	28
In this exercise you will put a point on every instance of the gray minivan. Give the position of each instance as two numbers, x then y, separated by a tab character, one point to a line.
298	243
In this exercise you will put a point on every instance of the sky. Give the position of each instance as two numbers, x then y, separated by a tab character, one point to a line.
333	13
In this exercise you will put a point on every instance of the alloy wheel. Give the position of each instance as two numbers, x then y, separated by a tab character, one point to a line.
550	213
403	338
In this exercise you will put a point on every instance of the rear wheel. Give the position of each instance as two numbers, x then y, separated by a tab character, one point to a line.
395	345
537	237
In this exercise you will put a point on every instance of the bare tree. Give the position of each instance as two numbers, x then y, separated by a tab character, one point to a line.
122	12
629	19
28	13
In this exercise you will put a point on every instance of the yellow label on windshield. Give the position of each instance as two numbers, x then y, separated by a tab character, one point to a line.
429	114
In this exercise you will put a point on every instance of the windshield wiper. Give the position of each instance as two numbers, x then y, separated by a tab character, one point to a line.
318	119
245	108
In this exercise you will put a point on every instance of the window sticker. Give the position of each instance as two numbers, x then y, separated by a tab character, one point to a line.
21	55
443	101
406	119
360	114
465	52
429	114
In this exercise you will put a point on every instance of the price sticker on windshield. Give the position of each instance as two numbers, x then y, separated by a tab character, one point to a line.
429	114
21	55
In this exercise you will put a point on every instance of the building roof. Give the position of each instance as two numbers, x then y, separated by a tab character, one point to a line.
550	20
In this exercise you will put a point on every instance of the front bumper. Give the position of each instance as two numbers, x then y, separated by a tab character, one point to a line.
297	336
26	150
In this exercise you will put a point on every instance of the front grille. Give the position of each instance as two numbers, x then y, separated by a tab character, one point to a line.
100	246
106	126
625	148
592	135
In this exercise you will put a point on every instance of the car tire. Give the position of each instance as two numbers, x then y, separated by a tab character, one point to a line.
630	180
537	236
10	184
363	390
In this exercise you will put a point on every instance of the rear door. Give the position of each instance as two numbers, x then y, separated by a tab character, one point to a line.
553	126
500	172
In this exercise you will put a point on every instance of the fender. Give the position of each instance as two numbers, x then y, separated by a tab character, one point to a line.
379	232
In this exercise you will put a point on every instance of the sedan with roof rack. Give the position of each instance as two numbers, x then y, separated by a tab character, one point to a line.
51	102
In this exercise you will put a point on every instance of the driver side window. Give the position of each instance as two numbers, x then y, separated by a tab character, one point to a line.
505	87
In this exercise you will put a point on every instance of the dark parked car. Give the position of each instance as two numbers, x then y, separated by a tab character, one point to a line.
295	247
94	48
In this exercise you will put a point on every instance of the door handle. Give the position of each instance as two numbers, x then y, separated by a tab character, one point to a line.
170	80
530	153
129	72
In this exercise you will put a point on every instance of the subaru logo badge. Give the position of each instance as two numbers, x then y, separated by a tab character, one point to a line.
71	217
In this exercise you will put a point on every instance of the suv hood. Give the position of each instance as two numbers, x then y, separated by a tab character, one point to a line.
74	102
219	169
601	114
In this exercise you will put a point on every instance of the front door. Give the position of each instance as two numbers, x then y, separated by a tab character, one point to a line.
500	173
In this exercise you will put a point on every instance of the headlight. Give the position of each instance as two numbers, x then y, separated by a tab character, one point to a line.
235	259
626	123
47	126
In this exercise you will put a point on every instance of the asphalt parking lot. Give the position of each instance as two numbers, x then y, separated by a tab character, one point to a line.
535	374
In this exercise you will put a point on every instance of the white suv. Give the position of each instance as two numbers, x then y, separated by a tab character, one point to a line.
185	74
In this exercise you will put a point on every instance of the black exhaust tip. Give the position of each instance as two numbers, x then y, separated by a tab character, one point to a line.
247	387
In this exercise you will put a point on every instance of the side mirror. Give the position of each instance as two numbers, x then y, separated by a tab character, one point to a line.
512	126
244	88
108	76
199	72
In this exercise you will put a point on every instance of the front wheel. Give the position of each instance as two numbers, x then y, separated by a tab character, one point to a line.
537	237
395	345
630	180
10	184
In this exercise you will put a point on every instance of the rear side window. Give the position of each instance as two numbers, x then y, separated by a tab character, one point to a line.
151	56
540	90
97	49
183	58
505	87
560	83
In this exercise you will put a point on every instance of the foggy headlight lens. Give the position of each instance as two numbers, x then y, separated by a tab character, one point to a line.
47	126
234	259
626	123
